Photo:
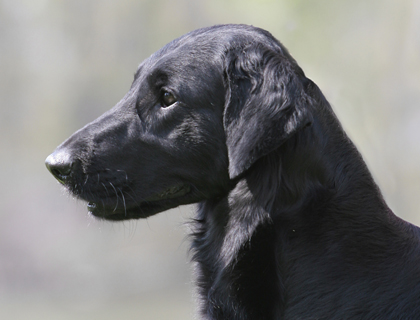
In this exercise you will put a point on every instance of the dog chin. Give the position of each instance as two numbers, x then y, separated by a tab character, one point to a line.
123	213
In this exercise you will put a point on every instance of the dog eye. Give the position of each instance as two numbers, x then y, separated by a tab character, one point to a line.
168	99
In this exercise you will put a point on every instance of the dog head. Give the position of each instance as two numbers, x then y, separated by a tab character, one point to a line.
198	115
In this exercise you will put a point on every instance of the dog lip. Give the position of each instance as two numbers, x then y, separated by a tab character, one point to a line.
170	193
107	212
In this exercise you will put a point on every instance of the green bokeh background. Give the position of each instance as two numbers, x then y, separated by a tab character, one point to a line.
65	62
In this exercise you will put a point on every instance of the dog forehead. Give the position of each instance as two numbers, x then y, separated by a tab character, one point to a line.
202	46
181	56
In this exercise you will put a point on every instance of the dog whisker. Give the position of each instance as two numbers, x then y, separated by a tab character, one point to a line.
106	189
86	180
125	207
116	193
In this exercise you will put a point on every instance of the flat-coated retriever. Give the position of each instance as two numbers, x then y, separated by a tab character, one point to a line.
290	223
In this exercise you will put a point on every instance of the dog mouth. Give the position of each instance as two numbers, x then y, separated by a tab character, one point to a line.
122	210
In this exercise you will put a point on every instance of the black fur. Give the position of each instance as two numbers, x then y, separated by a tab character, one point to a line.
290	223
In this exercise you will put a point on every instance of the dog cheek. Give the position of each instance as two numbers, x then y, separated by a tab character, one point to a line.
209	158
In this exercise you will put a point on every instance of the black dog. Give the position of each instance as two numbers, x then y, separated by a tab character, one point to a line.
290	223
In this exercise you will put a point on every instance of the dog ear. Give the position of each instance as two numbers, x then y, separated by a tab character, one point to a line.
265	105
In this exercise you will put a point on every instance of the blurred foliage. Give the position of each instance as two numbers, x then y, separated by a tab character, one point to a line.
63	63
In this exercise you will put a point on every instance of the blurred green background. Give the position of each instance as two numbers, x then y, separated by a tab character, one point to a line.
65	62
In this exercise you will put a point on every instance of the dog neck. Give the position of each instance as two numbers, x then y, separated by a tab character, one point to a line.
308	187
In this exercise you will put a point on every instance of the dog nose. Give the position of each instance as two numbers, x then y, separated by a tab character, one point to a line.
60	164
